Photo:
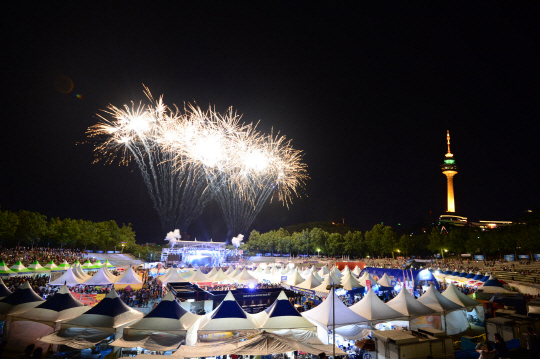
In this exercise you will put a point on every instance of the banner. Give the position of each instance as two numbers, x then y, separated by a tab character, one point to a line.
307	291
537	257
424	260
479	257
368	283
438	256
509	257
524	256
465	254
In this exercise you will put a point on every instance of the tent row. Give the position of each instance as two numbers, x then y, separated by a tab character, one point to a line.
76	276
35	268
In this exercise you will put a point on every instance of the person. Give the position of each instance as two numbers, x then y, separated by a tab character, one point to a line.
532	342
28	351
486	351
322	355
37	353
500	346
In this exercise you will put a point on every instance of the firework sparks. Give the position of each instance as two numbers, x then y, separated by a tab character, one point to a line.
187	157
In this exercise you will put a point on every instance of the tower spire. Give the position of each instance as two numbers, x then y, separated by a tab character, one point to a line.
449	154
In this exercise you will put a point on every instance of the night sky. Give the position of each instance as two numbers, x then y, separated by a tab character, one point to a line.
366	92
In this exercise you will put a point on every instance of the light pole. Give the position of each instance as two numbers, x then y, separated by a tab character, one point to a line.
332	289
318	252
122	251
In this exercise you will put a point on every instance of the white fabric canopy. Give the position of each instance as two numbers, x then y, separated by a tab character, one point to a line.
67	278
110	313
407	305
436	301
374	309
310	282
349	282
385	281
228	316
100	278
456	296
163	328
295	278
129	277
245	278
220	277
263	343
282	315
198	276
323	313
330	279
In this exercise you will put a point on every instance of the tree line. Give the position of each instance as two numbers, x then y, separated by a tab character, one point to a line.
383	241
33	229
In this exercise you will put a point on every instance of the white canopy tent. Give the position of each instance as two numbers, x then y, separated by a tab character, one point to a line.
295	278
100	278
407	305
385	281
22	299
227	317
323	313
163	328
310	283
129	277
68	278
245	278
263	343
107	317
21	330
349	282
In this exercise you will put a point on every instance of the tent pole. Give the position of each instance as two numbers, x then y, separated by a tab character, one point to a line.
334	322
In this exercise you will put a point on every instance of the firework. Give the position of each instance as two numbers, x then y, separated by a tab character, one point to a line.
187	157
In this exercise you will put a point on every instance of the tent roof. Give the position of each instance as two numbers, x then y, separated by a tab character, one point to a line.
228	316
295	278
374	309
263	343
492	282
436	301
407	305
244	277
23	294
212	272
100	278
323	313
22	299
168	315
385	281
172	276
350	282
68	278
4	292
61	306
129	277
282	315
330	279
365	278
456	296
20	268
310	282
198	276
64	265
51	265
109	313
220	276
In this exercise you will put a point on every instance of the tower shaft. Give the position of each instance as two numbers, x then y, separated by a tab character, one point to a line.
451	207
449	169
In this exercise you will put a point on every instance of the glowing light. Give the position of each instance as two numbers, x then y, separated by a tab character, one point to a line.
205	154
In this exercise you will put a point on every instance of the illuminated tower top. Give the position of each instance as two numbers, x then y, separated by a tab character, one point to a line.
449	154
449	169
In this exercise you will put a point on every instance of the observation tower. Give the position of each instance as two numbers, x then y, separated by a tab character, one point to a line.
449	169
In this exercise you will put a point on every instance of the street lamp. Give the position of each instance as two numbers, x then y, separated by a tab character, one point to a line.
318	252
332	288
122	251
